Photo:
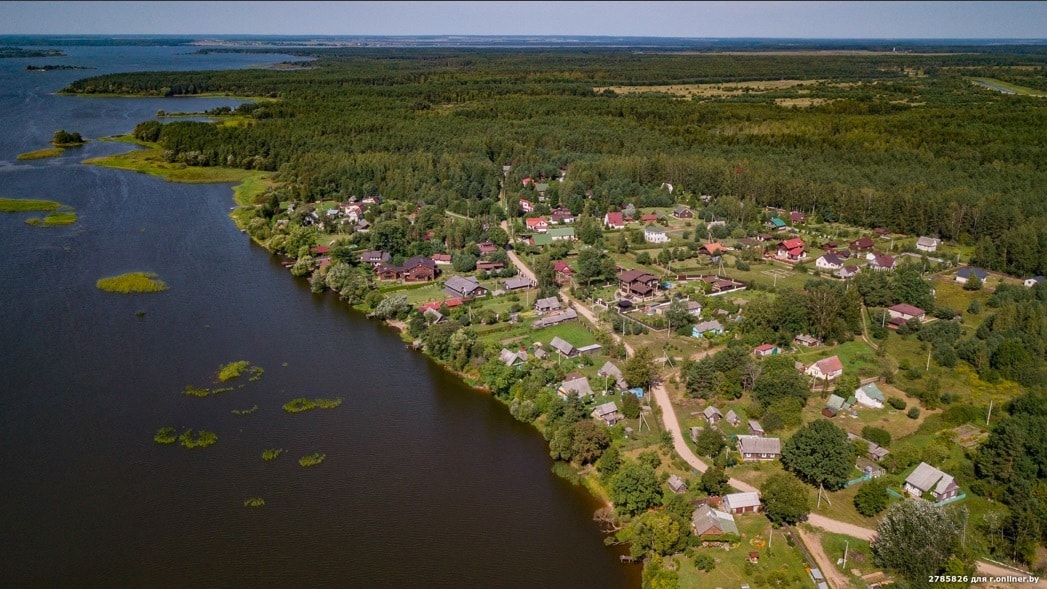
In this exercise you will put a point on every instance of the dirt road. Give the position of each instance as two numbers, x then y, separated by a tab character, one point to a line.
833	576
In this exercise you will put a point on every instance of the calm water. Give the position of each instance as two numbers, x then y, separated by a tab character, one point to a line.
426	482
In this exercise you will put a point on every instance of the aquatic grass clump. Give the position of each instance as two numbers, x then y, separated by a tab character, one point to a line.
59	219
302	404
271	454
202	439
245	411
312	459
232	370
256	373
254	502
26	205
165	435
132	282
194	391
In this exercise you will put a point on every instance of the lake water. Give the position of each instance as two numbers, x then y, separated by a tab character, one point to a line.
426	483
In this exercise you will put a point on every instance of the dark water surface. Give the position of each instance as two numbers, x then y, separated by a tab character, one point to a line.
426	482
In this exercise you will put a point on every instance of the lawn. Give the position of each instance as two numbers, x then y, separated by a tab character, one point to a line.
780	564
856	356
151	161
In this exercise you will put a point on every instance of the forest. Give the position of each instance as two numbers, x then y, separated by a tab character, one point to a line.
901	141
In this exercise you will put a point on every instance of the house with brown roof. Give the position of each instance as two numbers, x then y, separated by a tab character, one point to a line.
847	272
713	249
881	262
388	272
561	216
863	244
797	218
826	369
682	212
905	312
638	283
488	266
441	259
374	257
419	269
486	247
648	218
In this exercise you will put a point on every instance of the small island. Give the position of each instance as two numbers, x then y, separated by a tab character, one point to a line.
59	214
12	52
54	67
63	138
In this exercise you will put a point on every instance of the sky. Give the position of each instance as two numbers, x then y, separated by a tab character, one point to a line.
817	20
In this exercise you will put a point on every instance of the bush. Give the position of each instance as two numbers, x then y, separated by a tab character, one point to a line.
897	403
913	413
876	435
704	562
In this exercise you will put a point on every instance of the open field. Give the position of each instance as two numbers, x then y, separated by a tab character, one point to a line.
150	161
42	153
1008	88
710	90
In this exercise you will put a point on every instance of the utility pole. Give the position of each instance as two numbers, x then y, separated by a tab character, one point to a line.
928	360
989	414
846	545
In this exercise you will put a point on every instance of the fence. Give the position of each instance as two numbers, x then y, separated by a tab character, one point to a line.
861	479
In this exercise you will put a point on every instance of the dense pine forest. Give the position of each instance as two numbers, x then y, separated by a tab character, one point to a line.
905	141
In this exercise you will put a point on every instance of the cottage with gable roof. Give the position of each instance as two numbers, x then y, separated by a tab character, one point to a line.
607	413
826	369
759	448
711	523
927	479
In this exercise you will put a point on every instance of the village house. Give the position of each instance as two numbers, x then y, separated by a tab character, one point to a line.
903	312
964	274
712	415
828	262
797	218
875	453
526	205
561	216
712	249
511	358
682	212
764	350
676	484
374	257
517	283
826	369
575	387
712	327
928	244
792	250
655	234
712	523
638	283
807	340
742	502
542	188
539	224
755	428
777	224
565	348
464	286
759	448
486	248
863	245
555	319
441	259
420	269
835	404
487	266
388	272
614	220
607	413
847	272
1031	282
881	262
870	395
610	371
547	305
732	418
563	272
927	479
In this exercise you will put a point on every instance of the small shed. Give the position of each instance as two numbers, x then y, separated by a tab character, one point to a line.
677	485
732	418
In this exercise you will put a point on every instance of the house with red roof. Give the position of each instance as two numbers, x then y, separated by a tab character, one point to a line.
539	224
905	312
526	205
862	245
528	181
712	249
614	220
826	369
765	350
648	218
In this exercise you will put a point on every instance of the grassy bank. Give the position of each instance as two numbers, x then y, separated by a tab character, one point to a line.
53	219
151	161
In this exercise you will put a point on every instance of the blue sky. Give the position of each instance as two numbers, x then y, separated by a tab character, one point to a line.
885	20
